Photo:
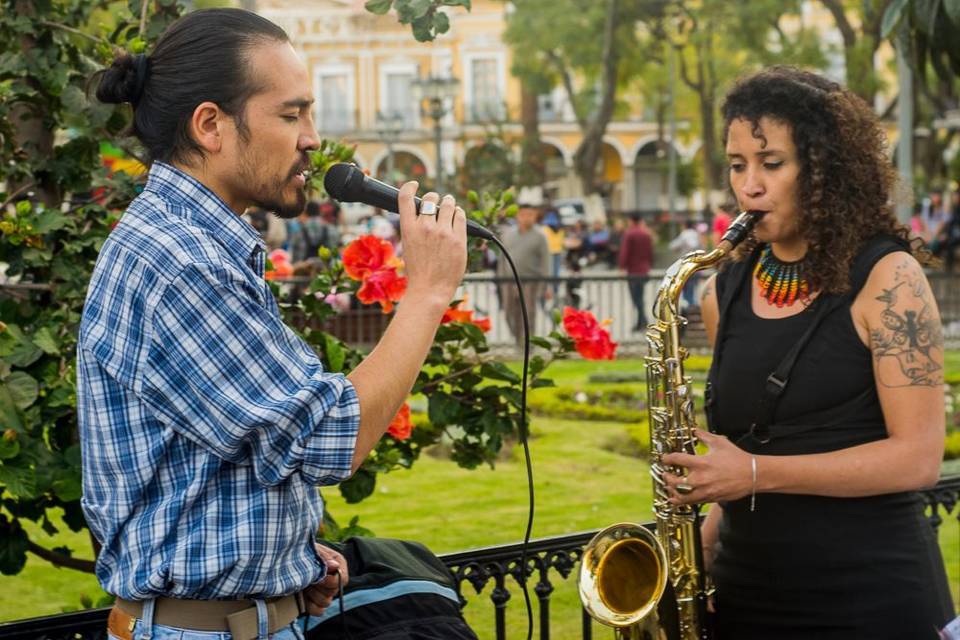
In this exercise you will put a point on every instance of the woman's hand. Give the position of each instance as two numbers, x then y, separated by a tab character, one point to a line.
724	473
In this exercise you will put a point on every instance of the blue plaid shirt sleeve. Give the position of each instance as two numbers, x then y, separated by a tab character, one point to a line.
226	373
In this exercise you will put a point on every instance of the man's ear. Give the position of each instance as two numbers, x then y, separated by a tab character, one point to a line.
208	125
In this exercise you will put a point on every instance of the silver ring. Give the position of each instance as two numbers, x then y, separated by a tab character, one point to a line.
684	489
428	208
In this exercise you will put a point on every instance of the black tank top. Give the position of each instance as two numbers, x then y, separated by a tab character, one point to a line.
810	565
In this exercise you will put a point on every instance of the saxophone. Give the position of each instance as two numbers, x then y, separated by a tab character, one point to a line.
653	586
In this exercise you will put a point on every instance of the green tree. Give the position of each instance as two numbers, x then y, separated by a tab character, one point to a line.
716	41
860	26
550	49
928	33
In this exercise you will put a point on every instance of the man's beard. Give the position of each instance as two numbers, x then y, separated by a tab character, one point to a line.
269	194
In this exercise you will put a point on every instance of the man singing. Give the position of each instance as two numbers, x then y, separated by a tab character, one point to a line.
205	422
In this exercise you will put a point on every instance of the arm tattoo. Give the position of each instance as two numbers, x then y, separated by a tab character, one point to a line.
905	346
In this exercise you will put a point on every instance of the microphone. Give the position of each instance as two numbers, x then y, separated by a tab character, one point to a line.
347	183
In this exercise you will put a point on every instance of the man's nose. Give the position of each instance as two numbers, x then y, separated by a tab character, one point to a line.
309	138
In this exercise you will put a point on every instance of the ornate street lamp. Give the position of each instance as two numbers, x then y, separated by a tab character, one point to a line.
432	93
389	126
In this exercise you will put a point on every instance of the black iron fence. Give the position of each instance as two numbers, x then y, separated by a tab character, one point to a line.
493	572
607	295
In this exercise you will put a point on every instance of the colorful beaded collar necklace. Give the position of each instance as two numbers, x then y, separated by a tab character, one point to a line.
781	283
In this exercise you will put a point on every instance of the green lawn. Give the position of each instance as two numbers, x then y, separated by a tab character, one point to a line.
580	485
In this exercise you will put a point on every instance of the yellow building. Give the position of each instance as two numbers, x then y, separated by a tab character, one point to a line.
363	67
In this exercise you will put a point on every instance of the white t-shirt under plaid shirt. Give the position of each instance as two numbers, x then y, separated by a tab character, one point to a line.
205	422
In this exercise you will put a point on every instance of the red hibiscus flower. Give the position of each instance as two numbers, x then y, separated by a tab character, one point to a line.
459	314
401	425
383	286
371	260
368	254
590	338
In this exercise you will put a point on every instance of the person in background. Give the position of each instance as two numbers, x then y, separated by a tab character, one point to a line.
950	233
306	234
528	247
722	218
330	213
689	239
636	258
555	237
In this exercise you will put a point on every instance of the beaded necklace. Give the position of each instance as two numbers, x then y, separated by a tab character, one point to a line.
781	283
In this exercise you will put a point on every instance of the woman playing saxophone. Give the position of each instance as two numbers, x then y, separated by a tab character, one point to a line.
816	530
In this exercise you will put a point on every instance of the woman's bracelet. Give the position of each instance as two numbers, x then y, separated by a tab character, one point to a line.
753	486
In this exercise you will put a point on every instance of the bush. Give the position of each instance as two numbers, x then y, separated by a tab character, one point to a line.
951	448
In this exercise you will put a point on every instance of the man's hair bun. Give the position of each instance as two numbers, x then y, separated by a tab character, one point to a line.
123	81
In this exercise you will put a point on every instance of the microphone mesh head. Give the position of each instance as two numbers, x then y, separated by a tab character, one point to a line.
337	181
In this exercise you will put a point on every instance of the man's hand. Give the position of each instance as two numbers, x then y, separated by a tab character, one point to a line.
319	595
434	246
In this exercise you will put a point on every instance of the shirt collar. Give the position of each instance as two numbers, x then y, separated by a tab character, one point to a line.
206	209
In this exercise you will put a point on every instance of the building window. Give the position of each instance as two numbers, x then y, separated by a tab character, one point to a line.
487	99
396	96
335	100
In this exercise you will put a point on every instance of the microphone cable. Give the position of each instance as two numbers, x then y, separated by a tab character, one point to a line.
524	549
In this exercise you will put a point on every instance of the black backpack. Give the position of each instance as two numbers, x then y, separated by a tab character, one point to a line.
398	590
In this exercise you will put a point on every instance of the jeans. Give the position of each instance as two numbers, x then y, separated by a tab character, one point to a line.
146	629
637	284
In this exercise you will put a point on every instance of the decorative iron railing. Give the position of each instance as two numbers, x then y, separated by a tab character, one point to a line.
607	295
495	567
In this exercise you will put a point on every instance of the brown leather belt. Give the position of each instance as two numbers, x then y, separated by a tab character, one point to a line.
238	617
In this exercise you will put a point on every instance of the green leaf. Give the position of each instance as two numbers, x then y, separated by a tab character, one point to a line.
952	9
334	352
443	410
50	220
499	371
73	99
23	389
892	16
47	342
21	482
925	15
17	349
359	486
422	29
9	448
379	7
458	3
417	8
441	23
13	547
68	488
540	341
9	416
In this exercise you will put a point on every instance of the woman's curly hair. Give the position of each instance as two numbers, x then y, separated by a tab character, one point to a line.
846	179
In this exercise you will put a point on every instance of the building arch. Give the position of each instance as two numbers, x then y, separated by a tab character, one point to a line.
557	144
380	160
621	150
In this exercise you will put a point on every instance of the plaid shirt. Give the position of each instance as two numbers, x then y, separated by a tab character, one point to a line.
205	422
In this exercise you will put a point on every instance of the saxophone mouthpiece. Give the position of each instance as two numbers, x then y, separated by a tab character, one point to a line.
740	227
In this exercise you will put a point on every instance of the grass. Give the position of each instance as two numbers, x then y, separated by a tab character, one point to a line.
579	486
